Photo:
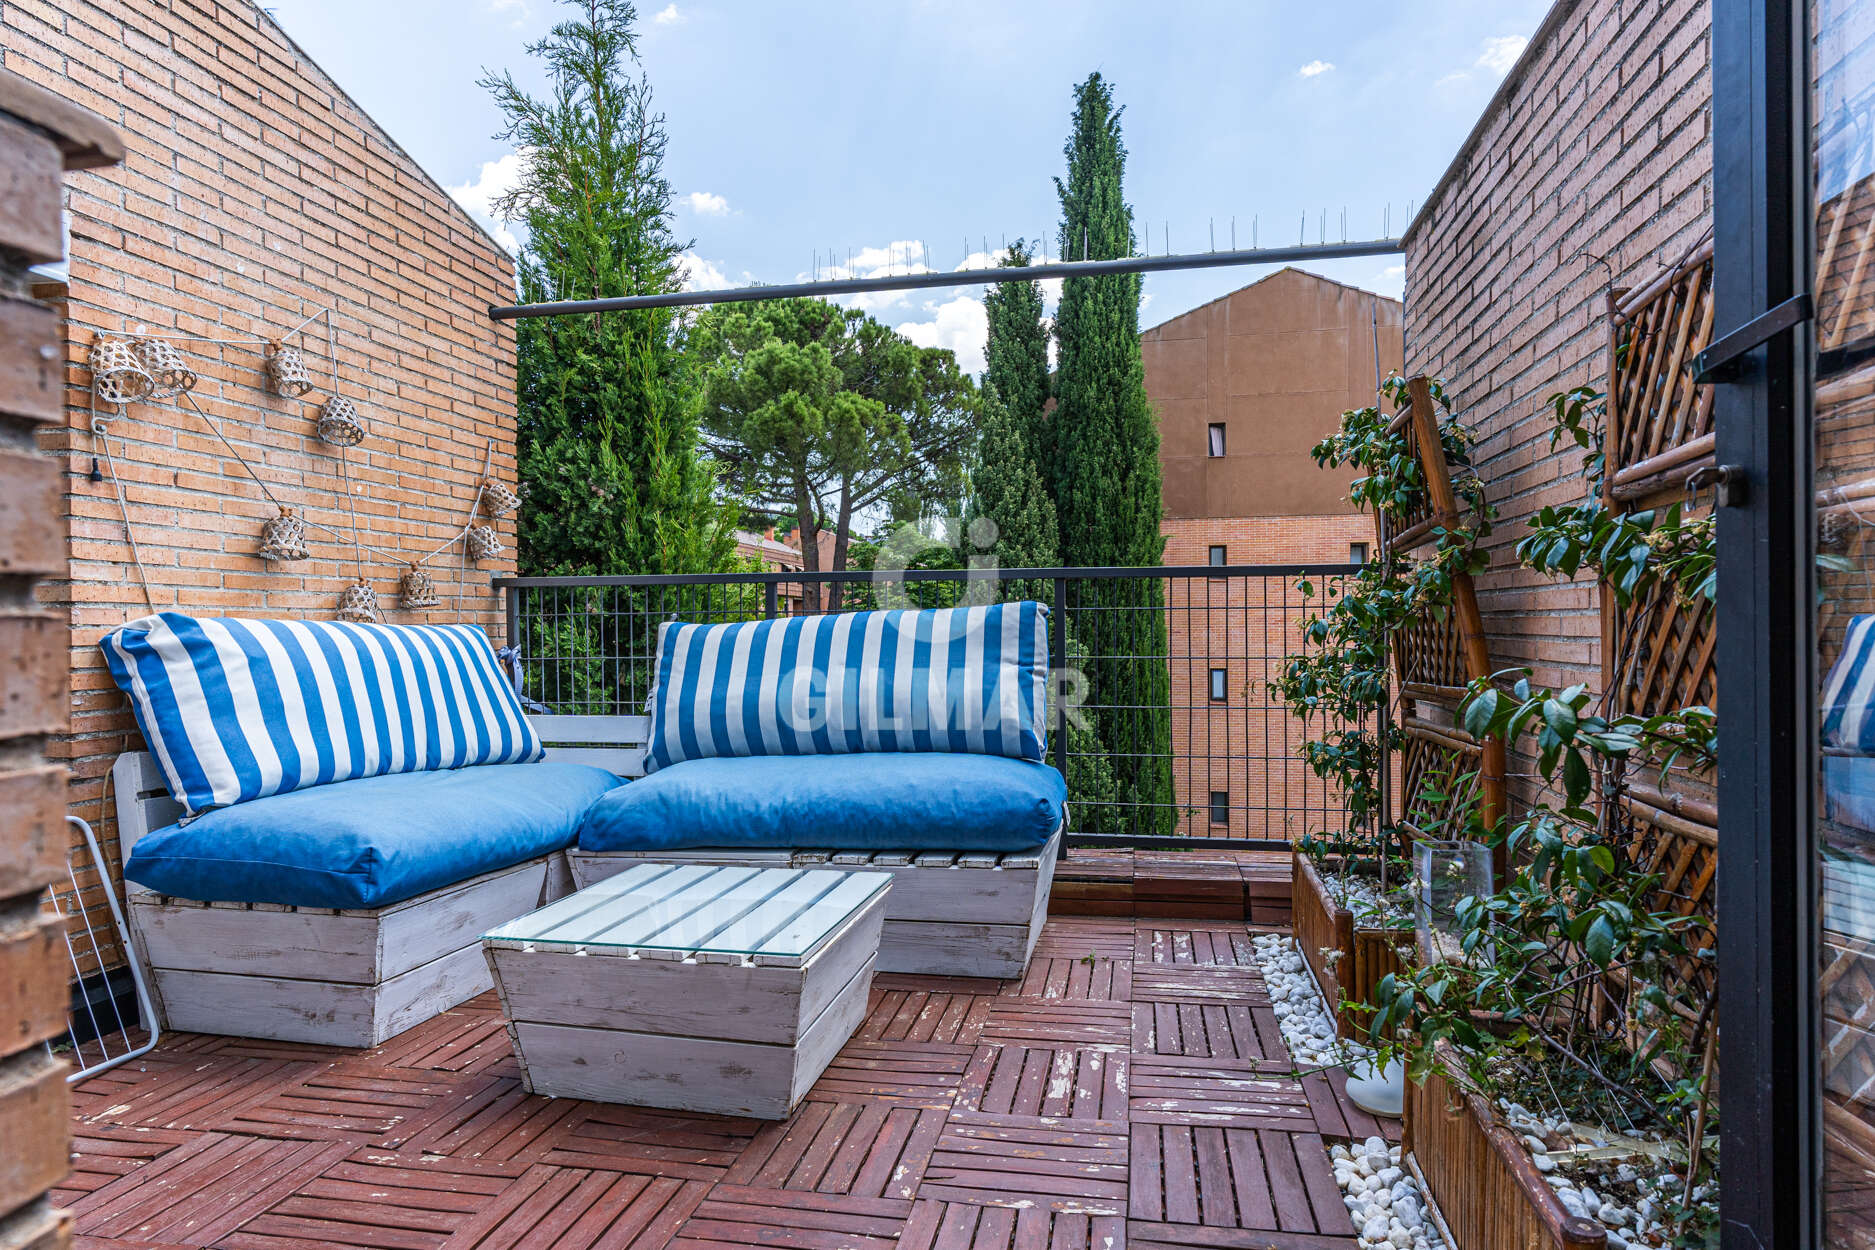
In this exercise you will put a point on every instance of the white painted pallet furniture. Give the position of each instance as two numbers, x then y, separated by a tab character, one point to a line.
313	974
716	988
950	913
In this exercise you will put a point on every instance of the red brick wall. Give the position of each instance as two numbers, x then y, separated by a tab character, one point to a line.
255	193
1246	745
1592	169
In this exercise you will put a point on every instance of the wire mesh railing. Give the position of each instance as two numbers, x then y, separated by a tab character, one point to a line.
1172	735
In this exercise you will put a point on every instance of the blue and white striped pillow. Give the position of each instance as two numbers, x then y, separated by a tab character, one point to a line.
1849	691
240	709
943	679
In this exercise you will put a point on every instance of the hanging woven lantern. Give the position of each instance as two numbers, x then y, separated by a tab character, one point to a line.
117	377
417	589
359	604
286	371
484	543
167	369
497	499
340	423
284	537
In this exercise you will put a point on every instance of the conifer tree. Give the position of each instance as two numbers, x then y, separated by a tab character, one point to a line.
606	435
1017	355
1105	459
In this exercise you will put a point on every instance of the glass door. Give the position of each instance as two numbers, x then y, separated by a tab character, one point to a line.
1842	452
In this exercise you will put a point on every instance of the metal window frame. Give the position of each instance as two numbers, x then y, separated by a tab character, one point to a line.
1220	684
1216	441
1771	1138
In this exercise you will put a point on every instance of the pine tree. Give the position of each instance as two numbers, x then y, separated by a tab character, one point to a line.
1105	459
606	437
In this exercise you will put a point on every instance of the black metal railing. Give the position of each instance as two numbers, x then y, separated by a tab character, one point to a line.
1172	737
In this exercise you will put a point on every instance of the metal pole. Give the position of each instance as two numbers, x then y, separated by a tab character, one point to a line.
961	277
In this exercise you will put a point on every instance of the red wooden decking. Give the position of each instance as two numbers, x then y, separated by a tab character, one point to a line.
1131	1089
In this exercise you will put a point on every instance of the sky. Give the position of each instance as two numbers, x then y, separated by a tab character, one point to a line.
873	136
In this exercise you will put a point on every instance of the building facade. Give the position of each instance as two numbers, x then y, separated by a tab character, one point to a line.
1244	386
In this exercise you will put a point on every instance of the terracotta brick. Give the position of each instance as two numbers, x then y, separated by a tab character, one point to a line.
1627	99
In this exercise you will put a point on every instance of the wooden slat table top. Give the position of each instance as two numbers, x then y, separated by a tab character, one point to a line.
1131	1090
769	915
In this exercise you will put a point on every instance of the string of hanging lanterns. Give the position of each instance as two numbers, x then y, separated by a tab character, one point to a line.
148	368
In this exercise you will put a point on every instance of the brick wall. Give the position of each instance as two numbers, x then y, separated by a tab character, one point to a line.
255	193
1244	746
1591	169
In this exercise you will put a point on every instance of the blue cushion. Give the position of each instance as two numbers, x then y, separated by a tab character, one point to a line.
236	710
880	802
373	841
966	680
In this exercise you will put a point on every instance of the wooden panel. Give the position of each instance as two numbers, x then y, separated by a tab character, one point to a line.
275	942
34	980
33	800
32	369
32	669
32	183
323	1012
964	950
688	1073
433	925
34	1107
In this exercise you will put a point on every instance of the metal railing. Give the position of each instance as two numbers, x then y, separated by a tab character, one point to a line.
1173	737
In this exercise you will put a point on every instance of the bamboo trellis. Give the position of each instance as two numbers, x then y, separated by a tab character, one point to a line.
1444	772
1658	650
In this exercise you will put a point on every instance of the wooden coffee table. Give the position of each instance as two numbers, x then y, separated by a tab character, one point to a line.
694	987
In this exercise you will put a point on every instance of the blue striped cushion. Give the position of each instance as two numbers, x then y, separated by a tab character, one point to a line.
237	709
945	679
1849	690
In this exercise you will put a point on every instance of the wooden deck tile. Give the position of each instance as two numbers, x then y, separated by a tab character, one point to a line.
1018	1161
1059	1082
924	1016
1088	976
1209	1030
1235	1178
739	1215
938	1225
923	1074
1172	942
1177	1090
1021	1021
1132	1088
872	1149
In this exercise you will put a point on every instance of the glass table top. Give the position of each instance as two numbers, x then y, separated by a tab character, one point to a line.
704	909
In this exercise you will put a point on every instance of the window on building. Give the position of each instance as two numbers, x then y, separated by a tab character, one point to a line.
1216	447
1220	807
1218	680
1357	553
1220	555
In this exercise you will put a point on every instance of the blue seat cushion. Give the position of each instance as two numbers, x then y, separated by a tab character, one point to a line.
372	841
861	802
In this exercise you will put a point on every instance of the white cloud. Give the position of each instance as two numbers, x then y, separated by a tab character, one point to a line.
901	256
668	16
1315	67
707	204
959	324
497	178
1453	79
1501	53
523	10
703	275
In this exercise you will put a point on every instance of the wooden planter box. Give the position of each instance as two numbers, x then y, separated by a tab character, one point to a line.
1367	955
1481	1179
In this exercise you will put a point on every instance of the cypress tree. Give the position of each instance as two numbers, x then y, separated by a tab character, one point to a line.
606	421
1017	355
1105	460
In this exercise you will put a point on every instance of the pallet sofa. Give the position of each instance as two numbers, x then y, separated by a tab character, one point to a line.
237	945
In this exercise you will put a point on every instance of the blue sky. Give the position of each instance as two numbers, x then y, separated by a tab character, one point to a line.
909	132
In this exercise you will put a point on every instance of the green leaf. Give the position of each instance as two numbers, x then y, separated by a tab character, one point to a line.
1599	942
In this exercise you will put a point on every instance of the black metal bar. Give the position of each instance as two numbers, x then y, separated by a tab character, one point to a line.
1771	1137
1058	661
938	575
953	278
1723	361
